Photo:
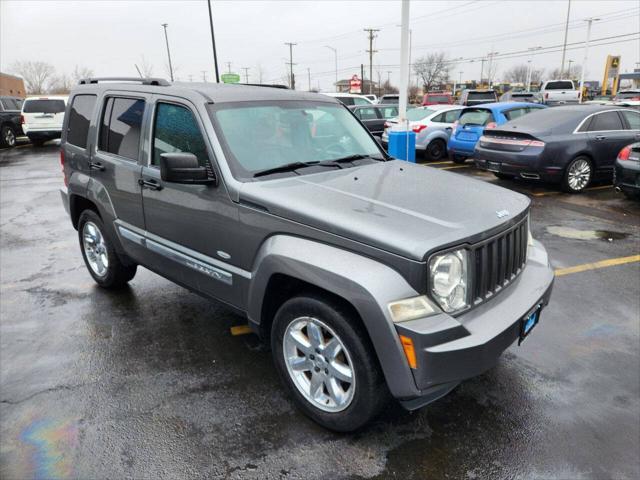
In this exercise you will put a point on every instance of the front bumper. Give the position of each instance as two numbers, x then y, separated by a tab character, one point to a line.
451	349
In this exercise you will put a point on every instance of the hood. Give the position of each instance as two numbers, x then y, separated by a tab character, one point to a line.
400	207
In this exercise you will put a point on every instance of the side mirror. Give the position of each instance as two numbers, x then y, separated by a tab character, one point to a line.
182	168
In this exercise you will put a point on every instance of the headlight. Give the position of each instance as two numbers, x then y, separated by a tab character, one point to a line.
412	308
448	274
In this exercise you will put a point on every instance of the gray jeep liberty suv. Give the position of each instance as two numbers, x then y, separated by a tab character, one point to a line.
368	276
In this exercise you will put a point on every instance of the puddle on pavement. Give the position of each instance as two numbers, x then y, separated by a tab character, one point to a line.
575	234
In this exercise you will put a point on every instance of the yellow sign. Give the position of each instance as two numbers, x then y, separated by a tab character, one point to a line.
611	70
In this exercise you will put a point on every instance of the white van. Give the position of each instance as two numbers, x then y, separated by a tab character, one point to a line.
42	118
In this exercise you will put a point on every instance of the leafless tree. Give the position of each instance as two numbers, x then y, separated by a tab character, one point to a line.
37	75
414	91
146	69
81	72
573	73
518	74
60	84
433	69
388	88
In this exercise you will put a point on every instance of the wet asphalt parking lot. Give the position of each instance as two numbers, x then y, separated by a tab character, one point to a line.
150	383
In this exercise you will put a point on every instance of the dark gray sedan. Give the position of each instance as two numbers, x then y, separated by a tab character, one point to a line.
626	176
571	145
374	116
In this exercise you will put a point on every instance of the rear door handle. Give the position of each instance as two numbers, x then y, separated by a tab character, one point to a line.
600	137
96	166
150	184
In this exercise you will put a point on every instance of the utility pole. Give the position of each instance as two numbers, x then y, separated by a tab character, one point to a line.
566	32
213	43
482	69
228	67
569	68
361	77
309	74
292	80
335	53
586	55
490	55
246	74
166	39
530	66
371	52
204	75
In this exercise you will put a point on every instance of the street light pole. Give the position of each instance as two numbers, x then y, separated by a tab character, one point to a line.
586	55
566	32
213	43
166	39
335	53
530	66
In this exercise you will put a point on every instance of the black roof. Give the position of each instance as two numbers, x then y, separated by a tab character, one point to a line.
209	92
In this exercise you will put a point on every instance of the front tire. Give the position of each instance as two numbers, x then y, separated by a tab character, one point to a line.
7	137
326	362
98	253
577	175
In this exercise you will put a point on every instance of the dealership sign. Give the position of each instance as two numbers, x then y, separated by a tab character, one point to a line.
355	85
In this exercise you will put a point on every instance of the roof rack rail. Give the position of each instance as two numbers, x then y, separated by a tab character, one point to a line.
161	82
275	85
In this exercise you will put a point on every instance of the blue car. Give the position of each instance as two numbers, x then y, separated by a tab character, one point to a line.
473	120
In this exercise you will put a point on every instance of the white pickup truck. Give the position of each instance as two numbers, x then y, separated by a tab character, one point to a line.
559	92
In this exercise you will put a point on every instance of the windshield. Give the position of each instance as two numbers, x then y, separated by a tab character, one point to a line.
258	136
482	95
418	114
43	106
476	116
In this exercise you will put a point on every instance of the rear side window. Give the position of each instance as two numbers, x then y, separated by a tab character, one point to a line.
176	130
44	106
120	127
438	118
605	121
360	101
632	118
515	113
476	116
79	119
562	85
9	104
451	116
389	112
367	114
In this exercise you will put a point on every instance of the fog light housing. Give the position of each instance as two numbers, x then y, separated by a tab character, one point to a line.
412	308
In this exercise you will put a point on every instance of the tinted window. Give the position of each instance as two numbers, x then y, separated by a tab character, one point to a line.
438	118
9	104
389	112
561	85
79	119
476	116
360	101
515	113
367	114
482	96
605	121
633	119
120	129
44	106
176	130
346	100
417	114
451	116
393	99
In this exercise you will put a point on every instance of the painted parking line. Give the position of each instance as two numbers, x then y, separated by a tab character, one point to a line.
455	166
241	330
589	189
446	162
596	265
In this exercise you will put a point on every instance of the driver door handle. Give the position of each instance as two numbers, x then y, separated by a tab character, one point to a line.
600	137
150	184
96	166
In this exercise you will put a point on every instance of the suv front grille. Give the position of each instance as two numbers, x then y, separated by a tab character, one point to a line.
496	262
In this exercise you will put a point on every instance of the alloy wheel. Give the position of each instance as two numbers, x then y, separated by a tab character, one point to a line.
319	364
579	174
9	137
95	249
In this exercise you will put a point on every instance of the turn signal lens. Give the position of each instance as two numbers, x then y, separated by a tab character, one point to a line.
625	153
491	125
409	351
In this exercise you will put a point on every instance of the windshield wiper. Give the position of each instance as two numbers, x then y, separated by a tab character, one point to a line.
350	158
287	167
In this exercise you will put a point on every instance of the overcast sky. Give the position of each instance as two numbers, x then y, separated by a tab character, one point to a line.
111	36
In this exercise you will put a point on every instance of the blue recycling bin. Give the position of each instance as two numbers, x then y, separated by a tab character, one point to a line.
398	145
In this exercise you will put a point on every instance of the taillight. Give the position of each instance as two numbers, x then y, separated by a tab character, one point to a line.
512	141
419	128
64	173
625	153
536	143
491	125
387	124
21	119
546	96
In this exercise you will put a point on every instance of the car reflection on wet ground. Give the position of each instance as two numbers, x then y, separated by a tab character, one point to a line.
150	383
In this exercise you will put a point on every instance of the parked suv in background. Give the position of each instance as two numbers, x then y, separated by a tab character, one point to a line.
559	92
10	127
470	97
367	276
42	118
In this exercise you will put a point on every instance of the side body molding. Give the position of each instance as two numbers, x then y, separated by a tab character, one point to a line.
367	284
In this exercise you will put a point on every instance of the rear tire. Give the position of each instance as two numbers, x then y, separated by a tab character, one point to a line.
458	159
577	175
305	359
436	150
98	253
7	137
